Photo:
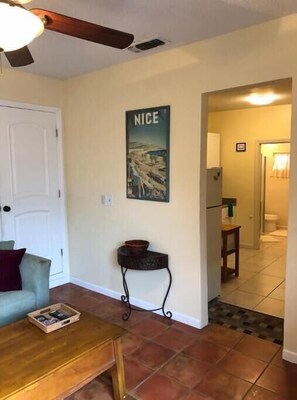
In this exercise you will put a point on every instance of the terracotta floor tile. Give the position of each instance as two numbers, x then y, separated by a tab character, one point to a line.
280	380
93	390
148	328
242	366
70	289
186	370
221	335
131	342
135	373
161	318
257	348
206	351
187	328
159	387
197	396
86	303
258	393
152	355
175	339
117	318
222	386
106	308
97	296
144	354
68	293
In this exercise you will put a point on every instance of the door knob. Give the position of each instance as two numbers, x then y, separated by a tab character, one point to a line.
6	208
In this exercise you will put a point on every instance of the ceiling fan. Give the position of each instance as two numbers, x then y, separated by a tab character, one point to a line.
19	26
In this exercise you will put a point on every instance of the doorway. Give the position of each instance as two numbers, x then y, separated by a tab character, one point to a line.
31	187
274	189
241	123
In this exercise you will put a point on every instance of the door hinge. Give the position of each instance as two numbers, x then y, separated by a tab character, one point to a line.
61	252
59	193
57	133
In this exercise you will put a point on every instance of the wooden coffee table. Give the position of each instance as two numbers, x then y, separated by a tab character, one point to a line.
37	365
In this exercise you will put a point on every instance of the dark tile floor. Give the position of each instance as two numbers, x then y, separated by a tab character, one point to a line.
167	360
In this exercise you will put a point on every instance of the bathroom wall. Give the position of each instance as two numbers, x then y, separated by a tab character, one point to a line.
277	189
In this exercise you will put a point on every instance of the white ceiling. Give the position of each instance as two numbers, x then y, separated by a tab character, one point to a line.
235	98
178	21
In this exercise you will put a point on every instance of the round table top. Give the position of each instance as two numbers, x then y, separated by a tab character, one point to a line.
148	260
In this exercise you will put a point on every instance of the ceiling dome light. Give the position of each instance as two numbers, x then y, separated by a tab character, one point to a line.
261	99
18	26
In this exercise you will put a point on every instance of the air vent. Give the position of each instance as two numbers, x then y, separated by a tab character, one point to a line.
148	45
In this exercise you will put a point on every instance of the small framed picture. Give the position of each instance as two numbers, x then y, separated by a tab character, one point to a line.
241	146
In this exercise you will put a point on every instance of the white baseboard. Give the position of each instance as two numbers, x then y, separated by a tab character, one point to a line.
185	319
290	356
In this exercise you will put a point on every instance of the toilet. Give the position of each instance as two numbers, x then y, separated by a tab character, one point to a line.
270	222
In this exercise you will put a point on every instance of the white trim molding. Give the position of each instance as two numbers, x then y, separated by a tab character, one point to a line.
185	319
290	356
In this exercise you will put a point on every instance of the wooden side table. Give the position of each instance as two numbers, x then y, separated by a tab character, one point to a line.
230	245
147	261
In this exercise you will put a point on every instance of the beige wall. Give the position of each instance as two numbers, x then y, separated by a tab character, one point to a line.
18	86
95	153
277	189
250	125
95	160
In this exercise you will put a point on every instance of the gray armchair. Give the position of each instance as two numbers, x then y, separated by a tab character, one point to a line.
16	304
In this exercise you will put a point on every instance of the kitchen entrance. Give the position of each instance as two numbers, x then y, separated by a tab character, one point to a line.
241	126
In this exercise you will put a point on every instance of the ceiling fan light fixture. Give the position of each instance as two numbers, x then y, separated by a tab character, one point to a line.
18	26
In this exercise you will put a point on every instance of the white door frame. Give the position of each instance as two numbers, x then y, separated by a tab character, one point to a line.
257	188
62	278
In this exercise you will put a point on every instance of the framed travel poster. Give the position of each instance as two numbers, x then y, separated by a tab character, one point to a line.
147	152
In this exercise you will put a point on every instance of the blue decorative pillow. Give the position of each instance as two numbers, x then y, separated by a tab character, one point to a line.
10	276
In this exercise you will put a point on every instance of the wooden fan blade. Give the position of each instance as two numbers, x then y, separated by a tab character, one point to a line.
84	30
20	57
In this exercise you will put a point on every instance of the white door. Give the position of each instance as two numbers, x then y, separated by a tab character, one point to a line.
30	197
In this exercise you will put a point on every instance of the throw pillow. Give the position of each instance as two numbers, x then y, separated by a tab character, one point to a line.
10	277
7	245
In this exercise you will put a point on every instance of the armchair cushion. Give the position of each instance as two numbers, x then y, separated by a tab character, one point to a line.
10	277
15	305
35	278
34	272
7	245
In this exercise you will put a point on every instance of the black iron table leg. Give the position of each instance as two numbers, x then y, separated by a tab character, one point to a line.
167	314
125	297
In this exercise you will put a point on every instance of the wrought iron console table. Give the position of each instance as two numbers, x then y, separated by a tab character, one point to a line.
147	261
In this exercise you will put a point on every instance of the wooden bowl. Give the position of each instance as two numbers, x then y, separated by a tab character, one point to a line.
137	246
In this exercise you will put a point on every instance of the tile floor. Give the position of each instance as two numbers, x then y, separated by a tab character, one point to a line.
167	360
261	284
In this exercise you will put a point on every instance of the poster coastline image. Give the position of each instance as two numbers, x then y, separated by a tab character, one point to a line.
147	141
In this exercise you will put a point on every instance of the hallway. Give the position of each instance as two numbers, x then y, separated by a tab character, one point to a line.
261	282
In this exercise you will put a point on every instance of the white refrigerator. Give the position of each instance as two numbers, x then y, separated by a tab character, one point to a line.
213	227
